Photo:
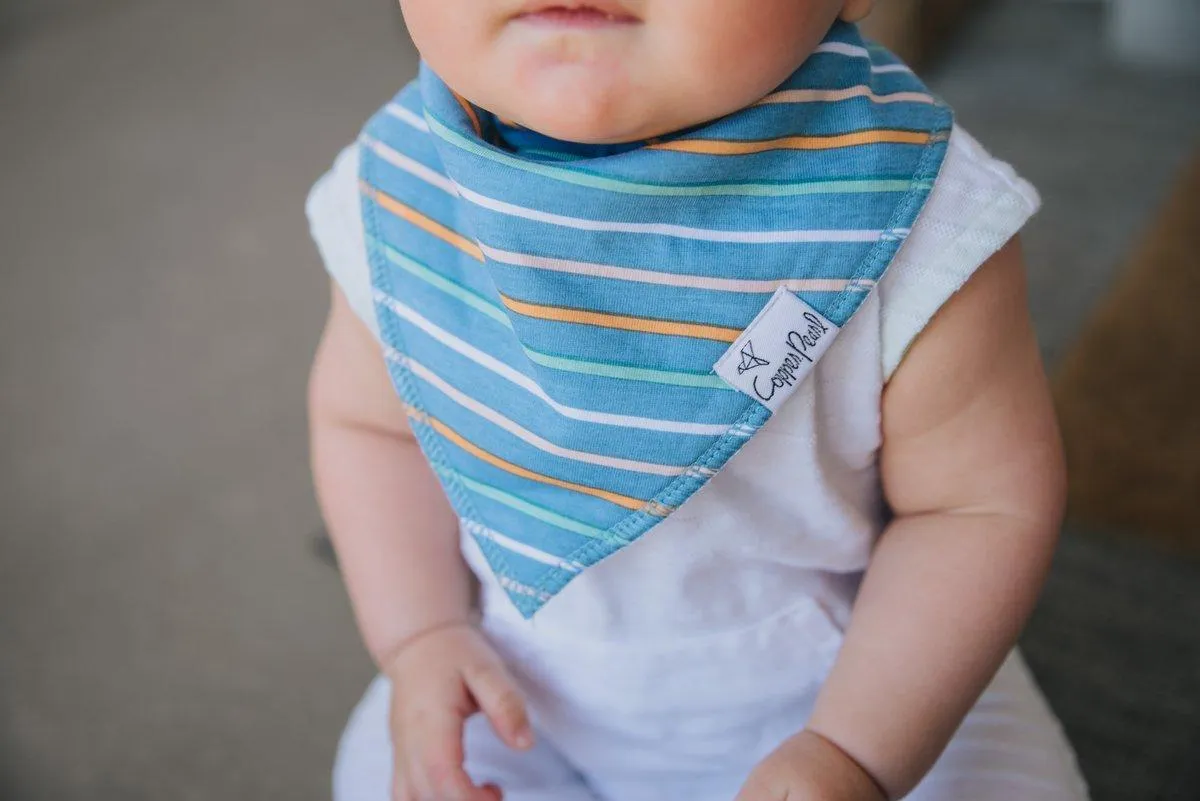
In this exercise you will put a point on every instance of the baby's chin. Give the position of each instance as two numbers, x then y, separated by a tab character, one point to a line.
604	107
584	103
595	121
587	129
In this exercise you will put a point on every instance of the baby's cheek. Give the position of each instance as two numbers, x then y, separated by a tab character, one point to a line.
451	36
748	48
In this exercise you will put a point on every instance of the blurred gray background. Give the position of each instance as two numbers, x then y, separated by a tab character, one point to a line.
166	631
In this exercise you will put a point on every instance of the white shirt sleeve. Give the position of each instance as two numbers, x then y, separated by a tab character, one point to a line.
334	211
977	204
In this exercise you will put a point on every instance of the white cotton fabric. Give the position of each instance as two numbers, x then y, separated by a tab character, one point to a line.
1009	747
667	670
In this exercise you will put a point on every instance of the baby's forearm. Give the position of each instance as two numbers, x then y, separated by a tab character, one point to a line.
394	532
942	604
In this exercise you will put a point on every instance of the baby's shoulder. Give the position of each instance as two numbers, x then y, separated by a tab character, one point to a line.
978	204
334	210
972	182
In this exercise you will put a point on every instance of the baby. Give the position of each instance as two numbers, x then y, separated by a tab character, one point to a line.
679	411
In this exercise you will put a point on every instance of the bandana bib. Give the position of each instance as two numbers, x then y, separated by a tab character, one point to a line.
583	336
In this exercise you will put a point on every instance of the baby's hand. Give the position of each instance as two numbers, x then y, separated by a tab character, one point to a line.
439	680
809	768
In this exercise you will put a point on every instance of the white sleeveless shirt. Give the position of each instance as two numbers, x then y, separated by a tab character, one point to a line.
788	525
686	657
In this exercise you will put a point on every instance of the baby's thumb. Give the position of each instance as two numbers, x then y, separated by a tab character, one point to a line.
501	702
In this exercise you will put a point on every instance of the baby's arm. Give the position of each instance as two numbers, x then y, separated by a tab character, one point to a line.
972	467
395	534
973	471
398	545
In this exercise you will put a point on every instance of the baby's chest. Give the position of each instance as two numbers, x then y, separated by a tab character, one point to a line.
793	512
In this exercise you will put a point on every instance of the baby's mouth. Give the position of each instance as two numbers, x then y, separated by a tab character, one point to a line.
575	14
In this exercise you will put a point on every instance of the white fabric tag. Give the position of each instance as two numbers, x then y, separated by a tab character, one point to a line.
777	350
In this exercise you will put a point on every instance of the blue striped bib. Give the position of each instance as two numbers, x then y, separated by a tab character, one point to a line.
583	336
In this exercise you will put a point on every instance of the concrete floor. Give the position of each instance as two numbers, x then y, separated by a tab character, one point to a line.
165	631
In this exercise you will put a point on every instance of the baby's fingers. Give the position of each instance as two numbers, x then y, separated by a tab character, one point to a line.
435	761
501	702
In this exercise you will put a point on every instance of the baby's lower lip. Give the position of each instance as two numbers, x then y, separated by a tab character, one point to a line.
562	17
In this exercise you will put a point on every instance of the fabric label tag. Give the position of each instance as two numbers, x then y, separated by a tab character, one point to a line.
777	350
